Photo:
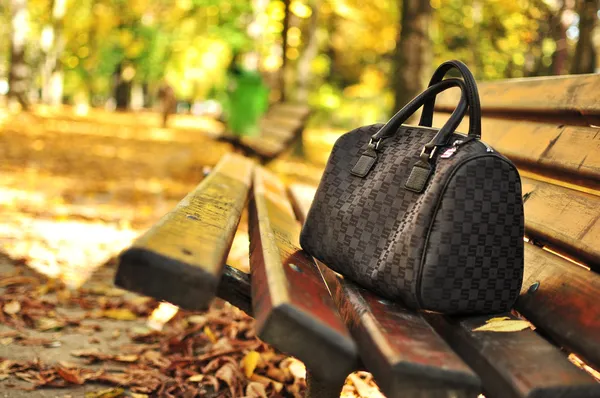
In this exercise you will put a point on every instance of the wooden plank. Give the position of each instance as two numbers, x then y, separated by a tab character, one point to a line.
235	288
296	111
291	303
564	219
570	153
578	94
562	299
180	259
402	351
514	364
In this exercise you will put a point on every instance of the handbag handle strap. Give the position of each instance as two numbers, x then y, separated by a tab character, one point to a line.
423	168
472	96
441	138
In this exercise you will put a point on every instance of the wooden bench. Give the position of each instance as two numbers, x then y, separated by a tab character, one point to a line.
304	309
280	128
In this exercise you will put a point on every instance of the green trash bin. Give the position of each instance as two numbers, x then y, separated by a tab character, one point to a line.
248	99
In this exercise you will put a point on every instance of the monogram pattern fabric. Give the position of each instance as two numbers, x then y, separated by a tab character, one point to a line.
456	247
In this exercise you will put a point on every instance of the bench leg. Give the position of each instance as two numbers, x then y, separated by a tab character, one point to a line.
322	389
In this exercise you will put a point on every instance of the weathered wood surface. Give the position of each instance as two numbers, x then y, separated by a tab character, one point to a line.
515	364
577	94
405	355
570	153
235	288
291	303
297	111
561	298
407	358
280	126
564	219
181	258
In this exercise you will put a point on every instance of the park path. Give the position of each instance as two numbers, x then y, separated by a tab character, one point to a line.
76	190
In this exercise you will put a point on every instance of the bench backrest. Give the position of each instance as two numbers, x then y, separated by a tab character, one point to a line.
549	128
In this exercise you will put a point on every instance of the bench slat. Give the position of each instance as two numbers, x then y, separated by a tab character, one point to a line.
291	303
556	94
405	355
565	305
296	111
235	288
181	258
570	153
564	219
515	364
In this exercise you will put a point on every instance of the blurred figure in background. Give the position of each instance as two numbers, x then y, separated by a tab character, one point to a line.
168	102
247	95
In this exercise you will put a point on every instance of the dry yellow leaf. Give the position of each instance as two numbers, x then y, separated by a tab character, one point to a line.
363	388
498	319
107	393
277	386
127	358
196	378
503	324
12	307
209	333
44	324
121	314
250	362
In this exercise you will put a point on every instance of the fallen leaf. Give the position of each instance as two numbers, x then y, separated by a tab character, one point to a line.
121	314
134	395
44	324
4	376
255	390
18	280
498	319
196	378
503	324
36	341
296	367
7	340
249	363
229	374
363	389
126	358
70	375
197	319
68	365
266	381
107	393
209	333
12	307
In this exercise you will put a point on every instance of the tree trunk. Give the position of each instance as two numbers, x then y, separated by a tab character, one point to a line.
52	74
284	46
309	53
19	72
585	55
413	53
559	34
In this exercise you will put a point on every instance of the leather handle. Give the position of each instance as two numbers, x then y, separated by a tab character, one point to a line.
472	96
447	129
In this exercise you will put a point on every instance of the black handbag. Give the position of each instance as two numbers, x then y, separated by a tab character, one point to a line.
426	216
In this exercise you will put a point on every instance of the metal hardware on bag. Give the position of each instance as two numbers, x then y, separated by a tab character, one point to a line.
430	155
376	145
